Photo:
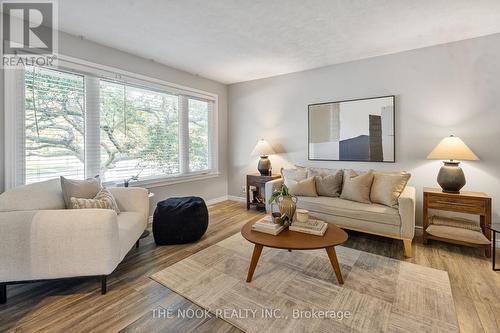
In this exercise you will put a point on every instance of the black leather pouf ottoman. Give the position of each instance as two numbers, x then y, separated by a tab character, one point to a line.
180	220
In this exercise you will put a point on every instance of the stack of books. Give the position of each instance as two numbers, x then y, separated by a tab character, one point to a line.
266	225
313	227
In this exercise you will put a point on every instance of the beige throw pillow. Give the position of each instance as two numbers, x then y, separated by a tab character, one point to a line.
387	187
357	187
306	187
85	189
328	181
104	199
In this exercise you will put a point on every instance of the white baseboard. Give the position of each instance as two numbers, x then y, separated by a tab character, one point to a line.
224	198
236	198
216	200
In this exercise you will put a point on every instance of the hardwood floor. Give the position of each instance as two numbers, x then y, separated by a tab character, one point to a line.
78	306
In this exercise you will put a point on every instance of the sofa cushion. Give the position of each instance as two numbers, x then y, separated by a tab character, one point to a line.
84	189
356	186
36	196
351	209
328	181
387	187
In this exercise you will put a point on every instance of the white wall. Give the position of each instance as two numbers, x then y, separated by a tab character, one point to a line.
76	47
441	90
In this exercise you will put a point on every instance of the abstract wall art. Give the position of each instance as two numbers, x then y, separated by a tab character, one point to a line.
353	130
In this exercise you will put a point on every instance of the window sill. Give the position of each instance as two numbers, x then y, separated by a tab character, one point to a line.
164	181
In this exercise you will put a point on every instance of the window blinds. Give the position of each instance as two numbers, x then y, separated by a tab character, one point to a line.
139	132
79	125
92	132
54	124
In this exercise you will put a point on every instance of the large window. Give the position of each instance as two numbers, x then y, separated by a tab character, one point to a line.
198	135
80	125
54	122
139	132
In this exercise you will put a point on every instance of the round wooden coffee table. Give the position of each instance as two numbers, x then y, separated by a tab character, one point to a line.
292	240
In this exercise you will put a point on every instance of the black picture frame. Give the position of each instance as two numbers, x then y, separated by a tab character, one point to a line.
352	100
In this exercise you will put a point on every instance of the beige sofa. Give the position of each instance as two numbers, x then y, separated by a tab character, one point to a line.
397	222
40	239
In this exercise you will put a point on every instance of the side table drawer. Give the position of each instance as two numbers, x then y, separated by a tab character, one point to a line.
257	182
466	205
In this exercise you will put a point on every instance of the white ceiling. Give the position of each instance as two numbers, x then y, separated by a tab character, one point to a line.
239	40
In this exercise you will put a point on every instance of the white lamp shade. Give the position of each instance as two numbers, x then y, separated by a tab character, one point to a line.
452	148
262	148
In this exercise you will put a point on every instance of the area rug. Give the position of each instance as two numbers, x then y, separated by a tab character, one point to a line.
298	292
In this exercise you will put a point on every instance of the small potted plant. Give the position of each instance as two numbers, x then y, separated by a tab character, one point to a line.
287	203
126	182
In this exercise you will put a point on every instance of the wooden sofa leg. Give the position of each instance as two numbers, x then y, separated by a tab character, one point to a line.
3	293
104	286
407	247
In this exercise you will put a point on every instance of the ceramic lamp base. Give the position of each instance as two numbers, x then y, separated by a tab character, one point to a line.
264	166
451	178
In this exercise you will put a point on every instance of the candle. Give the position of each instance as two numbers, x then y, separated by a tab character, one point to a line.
302	215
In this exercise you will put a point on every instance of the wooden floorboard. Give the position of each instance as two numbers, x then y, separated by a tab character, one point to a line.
77	306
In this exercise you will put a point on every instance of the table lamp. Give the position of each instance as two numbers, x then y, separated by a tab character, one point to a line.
263	149
451	177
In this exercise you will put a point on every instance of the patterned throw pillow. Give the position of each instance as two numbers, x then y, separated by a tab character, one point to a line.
104	200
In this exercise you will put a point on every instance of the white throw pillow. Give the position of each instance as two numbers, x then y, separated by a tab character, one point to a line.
296	175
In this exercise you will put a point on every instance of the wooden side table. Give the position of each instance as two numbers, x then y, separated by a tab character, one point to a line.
259	182
477	203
